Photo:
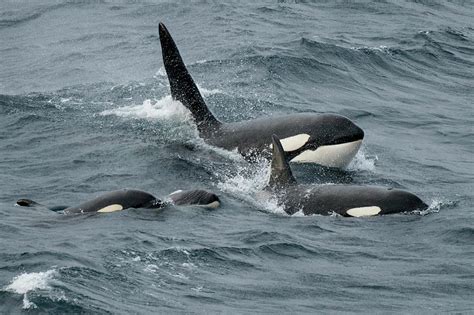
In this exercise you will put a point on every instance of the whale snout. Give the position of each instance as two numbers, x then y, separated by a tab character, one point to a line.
401	201
351	133
358	133
338	129
354	134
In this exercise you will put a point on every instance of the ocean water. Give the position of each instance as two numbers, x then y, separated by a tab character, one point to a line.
85	108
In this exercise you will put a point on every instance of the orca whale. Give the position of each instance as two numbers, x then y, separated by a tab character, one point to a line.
130	198
326	139
346	200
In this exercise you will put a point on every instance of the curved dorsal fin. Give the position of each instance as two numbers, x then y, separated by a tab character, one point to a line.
182	86
281	174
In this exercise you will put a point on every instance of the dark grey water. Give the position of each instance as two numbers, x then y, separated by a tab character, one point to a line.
85	108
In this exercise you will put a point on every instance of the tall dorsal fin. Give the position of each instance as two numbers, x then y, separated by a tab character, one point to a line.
281	174
183	88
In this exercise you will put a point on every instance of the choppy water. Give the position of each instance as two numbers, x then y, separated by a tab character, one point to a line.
85	108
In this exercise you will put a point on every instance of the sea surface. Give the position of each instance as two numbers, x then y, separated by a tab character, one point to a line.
85	108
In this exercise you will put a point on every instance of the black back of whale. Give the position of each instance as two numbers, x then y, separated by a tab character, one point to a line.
253	136
131	198
126	198
195	197
325	199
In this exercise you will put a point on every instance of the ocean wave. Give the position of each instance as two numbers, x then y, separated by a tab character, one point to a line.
30	102
16	17
22	18
425	48
459	236
27	282
89	37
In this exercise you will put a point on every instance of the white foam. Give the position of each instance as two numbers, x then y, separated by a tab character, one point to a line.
189	265
164	108
363	161
435	206
161	72
152	268
381	48
248	184
247	180
232	155
26	282
180	275
298	213
197	288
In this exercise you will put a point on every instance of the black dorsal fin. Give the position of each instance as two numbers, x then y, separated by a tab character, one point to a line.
281	174
183	88
31	203
27	203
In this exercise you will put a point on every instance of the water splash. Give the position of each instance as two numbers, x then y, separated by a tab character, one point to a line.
381	48
363	161
162	109
161	72
248	183
231	155
26	282
435	206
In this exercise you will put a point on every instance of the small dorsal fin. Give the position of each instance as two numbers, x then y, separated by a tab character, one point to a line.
31	203
281	174
182	86
27	203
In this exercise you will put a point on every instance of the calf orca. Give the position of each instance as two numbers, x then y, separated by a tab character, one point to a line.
327	139
129	198
346	200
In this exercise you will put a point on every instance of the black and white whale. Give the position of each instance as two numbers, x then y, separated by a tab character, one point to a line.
327	139
346	200
130	198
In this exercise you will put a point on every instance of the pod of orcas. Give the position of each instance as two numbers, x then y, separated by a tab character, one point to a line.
346	200
326	139
130	198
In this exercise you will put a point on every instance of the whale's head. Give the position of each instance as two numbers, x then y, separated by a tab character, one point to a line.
329	140
400	199
336	130
196	197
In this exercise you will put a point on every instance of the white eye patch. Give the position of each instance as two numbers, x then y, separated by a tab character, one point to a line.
364	211
212	205
294	142
111	208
